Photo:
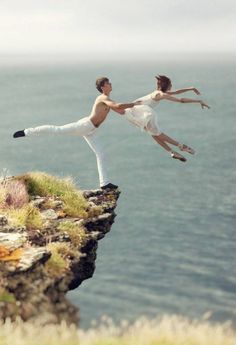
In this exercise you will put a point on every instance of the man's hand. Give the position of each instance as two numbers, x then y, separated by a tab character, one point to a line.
204	105
196	91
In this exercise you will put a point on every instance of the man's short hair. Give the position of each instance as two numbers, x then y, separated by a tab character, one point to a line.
100	83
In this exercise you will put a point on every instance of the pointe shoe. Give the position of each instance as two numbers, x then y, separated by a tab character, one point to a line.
186	148
177	155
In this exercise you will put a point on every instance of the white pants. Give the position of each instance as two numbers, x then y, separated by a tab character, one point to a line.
84	128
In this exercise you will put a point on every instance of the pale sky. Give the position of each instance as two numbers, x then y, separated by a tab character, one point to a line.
100	28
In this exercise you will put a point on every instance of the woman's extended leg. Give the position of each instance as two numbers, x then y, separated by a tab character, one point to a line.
175	155
167	139
162	139
182	147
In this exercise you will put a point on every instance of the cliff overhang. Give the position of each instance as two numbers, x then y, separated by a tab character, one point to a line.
52	251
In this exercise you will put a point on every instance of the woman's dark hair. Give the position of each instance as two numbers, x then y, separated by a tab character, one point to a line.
100	83
164	82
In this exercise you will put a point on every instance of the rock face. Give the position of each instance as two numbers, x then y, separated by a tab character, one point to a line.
29	287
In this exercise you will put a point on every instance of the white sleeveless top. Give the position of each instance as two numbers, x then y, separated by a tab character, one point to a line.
147	100
140	115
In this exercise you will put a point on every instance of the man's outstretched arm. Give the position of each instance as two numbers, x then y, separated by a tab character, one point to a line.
120	107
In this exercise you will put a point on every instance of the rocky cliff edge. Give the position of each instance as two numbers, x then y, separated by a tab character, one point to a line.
49	233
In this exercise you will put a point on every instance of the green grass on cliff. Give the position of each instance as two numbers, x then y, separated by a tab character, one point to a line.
76	232
26	215
57	263
43	184
15	192
169	330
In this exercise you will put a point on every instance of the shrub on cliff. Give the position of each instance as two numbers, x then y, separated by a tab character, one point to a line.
27	215
57	264
42	184
14	203
61	253
13	194
75	231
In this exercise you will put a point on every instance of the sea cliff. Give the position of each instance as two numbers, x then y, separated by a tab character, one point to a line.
49	233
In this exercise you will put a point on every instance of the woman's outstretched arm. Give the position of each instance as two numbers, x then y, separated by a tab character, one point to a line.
183	100
176	92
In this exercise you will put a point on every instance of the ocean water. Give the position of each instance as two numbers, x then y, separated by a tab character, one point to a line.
172	247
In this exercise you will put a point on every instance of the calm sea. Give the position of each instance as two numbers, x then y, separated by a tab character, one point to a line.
172	247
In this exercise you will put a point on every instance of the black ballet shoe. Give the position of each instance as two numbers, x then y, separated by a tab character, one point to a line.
19	134
176	155
109	186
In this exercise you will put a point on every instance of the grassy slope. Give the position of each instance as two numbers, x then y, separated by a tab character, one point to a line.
166	331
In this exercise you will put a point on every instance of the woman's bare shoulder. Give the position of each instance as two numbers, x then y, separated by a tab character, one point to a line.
157	95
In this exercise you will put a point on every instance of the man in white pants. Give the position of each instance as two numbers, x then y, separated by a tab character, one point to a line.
87	127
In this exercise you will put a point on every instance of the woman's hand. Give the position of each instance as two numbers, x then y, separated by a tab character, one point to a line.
204	105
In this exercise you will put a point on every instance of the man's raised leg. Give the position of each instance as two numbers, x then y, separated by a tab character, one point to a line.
82	127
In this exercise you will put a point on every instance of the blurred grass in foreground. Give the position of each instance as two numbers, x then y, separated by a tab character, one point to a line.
168	330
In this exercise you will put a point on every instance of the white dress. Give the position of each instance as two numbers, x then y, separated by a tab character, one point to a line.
144	116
